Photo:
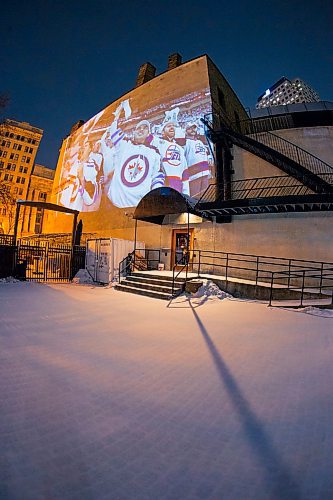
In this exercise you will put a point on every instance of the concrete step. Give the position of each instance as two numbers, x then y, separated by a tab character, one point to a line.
143	291
157	277
155	286
143	281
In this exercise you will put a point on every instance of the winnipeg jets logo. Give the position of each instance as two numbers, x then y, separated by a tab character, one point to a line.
134	170
200	148
172	155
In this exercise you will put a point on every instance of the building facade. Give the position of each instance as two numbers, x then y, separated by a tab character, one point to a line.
257	193
286	91
19	142
39	189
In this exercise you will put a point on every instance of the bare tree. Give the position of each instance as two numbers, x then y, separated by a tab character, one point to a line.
7	205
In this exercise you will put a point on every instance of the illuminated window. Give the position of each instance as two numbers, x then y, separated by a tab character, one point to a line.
22	180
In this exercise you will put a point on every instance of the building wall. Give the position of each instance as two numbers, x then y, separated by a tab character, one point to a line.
40	188
306	236
225	101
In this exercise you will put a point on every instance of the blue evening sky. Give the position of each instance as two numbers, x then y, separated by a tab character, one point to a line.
62	61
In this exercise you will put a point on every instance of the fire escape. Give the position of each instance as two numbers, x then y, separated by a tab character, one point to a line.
306	186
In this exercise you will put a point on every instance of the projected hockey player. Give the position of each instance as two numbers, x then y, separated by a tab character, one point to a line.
135	168
199	161
172	154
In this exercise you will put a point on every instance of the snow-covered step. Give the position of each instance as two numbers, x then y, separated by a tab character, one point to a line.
143	291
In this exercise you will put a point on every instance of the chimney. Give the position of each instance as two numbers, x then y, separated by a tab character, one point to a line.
174	60
146	72
76	126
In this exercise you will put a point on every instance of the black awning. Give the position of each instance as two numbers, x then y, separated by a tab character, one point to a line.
47	206
164	201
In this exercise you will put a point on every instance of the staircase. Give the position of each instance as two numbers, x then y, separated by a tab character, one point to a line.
151	285
311	171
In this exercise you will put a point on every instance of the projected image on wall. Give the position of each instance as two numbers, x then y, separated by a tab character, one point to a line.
127	150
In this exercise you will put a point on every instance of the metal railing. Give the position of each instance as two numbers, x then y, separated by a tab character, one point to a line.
6	239
258	187
255	268
186	258
140	259
304	281
296	153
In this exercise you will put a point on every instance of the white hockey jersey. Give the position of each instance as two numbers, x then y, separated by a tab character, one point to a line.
137	171
198	167
174	164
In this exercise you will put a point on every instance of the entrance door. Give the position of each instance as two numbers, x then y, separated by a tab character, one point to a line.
180	246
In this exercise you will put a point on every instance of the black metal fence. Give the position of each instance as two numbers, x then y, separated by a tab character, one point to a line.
40	261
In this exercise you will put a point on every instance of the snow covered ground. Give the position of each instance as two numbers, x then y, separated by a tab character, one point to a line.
110	395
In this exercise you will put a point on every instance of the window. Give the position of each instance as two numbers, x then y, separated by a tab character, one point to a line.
28	160
42	196
1	164
21	169
15	145
15	190
6	177
22	180
25	170
30	150
18	180
26	149
3	154
13	156
23	159
19	147
38	220
20	191
5	144
237	121
4	211
221	98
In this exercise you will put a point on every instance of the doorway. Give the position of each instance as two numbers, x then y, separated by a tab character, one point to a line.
180	245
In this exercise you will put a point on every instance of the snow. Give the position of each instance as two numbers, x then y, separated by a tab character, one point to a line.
82	277
106	394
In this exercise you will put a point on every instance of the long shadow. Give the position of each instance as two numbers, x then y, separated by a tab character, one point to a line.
277	476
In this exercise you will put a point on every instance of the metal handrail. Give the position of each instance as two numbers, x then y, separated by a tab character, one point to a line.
324	274
259	265
128	267
296	153
262	186
187	258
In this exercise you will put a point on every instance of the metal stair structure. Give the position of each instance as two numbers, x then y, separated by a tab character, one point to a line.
151	285
294	161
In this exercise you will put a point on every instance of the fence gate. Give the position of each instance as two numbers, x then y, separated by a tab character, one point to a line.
43	262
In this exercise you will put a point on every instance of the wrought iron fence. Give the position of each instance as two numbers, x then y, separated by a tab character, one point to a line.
40	261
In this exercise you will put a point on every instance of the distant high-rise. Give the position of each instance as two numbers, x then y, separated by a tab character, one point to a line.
286	91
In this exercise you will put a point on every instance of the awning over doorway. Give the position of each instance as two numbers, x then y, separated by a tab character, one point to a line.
163	201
